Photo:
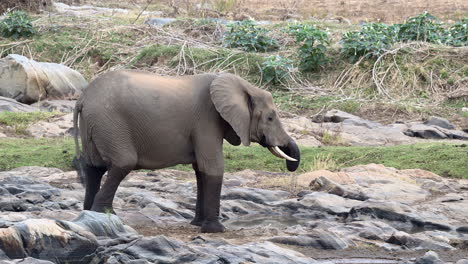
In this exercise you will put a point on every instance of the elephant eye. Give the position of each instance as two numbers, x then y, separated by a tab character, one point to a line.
270	118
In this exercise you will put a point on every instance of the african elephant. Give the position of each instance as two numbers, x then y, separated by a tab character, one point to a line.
136	120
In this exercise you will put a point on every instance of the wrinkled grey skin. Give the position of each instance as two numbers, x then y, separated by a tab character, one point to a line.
134	120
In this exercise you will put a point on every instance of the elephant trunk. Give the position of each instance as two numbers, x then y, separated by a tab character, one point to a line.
292	150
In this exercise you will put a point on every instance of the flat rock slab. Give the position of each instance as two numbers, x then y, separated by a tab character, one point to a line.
355	131
11	105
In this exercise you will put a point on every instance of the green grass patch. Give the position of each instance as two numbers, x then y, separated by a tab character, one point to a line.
45	152
444	159
20	121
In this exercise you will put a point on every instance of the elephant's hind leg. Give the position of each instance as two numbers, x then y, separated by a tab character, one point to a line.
93	178
105	196
198	220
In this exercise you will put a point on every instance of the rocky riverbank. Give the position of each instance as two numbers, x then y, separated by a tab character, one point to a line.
373	212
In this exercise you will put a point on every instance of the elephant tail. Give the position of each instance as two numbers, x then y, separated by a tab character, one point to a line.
76	112
78	160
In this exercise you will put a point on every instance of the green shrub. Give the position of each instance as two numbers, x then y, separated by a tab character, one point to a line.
312	47
457	35
276	69
247	36
17	24
423	27
372	40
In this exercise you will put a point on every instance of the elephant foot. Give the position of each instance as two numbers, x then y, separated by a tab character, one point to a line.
212	227
103	209
197	222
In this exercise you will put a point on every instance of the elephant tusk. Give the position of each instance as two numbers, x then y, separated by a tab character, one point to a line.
272	150
282	154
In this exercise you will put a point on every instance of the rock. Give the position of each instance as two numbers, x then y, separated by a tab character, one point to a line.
64	106
47	239
399	216
27	260
417	129
440	122
362	122
463	229
337	116
63	241
159	21
11	105
56	127
319	240
28	81
255	195
462	261
417	242
381	183
430	257
103	225
323	184
307	178
325	202
424	131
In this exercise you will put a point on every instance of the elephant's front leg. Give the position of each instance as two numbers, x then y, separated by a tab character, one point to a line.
210	169
211	202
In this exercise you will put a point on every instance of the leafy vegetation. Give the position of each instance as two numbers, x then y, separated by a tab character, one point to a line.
441	158
457	35
423	27
372	40
312	46
276	69
376	38
249	37
17	24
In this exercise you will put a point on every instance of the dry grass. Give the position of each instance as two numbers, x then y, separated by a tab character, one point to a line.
411	70
341	11
323	162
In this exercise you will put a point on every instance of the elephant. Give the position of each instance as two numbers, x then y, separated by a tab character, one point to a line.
130	120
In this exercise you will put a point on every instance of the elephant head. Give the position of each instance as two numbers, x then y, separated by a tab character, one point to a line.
252	117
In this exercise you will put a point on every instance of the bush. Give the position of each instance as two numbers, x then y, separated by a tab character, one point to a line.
376	38
247	36
372	40
17	24
457	35
312	47
423	27
276	69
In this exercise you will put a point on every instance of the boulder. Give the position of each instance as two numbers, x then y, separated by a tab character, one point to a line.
47	239
62	241
430	257
28	81
11	105
337	116
440	122
420	130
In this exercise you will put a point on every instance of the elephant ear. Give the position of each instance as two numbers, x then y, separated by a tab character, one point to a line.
230	98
